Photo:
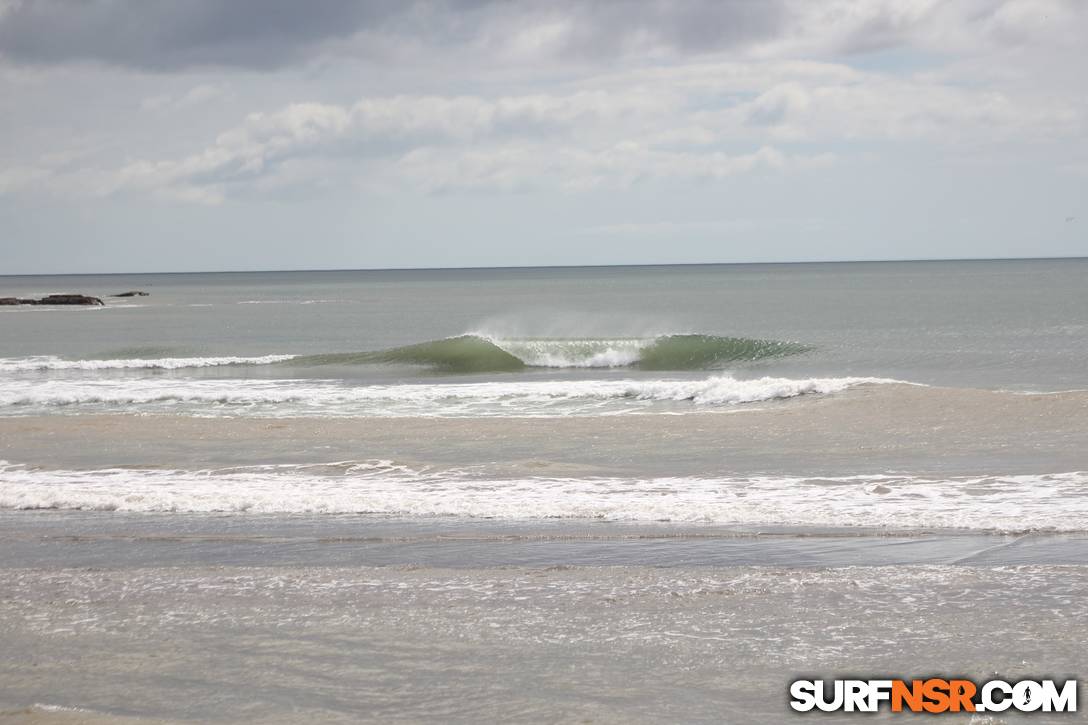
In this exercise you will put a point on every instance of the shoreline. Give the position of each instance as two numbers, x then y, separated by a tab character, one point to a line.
113	540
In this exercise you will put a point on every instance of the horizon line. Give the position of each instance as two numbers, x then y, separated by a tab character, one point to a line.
550	266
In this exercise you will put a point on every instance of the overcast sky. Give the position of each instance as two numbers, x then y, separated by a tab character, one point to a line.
169	135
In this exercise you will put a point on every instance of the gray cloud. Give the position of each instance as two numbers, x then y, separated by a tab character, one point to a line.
164	35
168	35
614	27
877	26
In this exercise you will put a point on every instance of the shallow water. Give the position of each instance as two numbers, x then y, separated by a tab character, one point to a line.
607	644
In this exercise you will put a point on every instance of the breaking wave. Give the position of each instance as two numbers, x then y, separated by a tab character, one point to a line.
1011	503
475	354
279	398
50	362
481	353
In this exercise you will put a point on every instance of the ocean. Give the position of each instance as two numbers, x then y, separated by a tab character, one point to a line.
602	494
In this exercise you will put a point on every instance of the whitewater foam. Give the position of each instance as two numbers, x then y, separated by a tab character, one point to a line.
50	362
1052	502
292	397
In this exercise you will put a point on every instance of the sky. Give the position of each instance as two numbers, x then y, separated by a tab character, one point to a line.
158	135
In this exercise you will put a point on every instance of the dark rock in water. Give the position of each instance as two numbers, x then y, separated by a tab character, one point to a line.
70	300
134	293
53	300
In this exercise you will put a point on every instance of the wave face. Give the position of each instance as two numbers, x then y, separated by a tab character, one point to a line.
284	398
464	354
1048	502
475	353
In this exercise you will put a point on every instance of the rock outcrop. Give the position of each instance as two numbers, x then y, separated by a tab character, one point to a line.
53	300
133	293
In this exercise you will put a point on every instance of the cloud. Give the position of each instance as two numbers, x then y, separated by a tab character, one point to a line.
195	96
884	108
619	28
435	144
850	27
377	127
166	35
680	123
526	166
708	89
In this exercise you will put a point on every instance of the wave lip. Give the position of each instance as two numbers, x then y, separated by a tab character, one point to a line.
479	352
1014	503
50	362
281	398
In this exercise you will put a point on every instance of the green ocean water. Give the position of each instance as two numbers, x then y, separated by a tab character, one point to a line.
1014	324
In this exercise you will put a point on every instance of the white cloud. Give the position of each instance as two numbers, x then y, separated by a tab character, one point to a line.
574	142
700	121
878	107
383	128
522	166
